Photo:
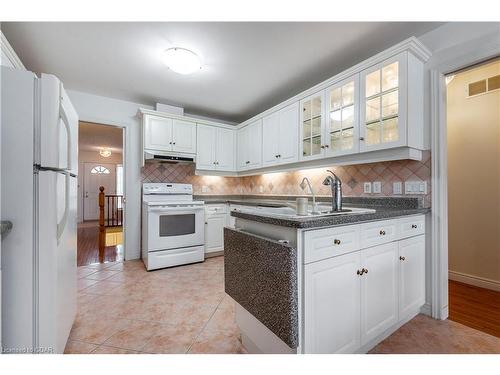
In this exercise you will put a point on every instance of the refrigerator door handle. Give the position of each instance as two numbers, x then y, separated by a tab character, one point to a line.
64	118
61	226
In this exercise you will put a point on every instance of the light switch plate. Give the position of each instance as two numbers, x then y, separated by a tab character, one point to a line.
377	187
367	187
397	187
204	189
416	187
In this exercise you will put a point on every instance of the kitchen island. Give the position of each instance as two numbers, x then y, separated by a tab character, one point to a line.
326	283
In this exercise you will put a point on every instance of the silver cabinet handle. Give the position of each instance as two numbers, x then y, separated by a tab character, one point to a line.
5	227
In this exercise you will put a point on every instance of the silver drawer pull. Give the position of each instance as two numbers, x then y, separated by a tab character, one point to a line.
336	241
402	258
414	226
382	232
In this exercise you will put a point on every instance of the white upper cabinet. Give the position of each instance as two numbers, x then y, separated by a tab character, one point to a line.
249	146
391	105
280	136
169	135
342	117
158	133
312	126
184	137
215	148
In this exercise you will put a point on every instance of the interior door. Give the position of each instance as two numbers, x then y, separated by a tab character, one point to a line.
225	150
184	136
96	175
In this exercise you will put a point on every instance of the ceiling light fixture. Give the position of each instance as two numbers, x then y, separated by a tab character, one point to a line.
105	152
181	60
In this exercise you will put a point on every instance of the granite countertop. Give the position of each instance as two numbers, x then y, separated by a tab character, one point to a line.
385	208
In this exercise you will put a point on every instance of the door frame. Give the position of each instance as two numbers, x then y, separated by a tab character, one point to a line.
458	57
124	164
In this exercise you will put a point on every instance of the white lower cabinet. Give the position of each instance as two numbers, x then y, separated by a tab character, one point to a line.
411	274
332	307
215	221
379	290
352	300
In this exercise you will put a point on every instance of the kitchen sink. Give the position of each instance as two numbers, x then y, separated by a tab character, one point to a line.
288	211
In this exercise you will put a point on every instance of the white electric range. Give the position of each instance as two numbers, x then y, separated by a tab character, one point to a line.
173	225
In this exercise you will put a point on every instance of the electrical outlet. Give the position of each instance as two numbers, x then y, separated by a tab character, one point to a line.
367	187
397	187
416	187
204	189
377	187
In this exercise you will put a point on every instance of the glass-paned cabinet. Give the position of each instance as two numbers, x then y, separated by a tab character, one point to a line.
383	105
312	125
342	130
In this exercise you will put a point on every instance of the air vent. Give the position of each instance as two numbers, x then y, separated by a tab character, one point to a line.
494	83
476	88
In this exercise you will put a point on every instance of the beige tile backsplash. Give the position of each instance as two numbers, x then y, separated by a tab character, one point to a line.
287	183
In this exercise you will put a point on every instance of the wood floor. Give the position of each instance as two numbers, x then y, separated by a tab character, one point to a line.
475	307
88	246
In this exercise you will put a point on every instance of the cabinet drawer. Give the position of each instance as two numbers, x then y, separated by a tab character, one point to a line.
213	209
326	243
378	232
411	226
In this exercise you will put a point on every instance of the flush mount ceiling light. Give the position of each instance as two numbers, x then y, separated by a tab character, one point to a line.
105	152
181	60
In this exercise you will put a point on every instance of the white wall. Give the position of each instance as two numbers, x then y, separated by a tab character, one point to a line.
102	110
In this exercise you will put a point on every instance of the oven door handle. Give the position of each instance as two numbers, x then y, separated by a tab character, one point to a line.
174	209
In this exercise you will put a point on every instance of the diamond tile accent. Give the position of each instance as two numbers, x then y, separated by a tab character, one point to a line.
287	183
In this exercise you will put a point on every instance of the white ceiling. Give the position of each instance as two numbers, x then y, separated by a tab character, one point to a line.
94	137
248	67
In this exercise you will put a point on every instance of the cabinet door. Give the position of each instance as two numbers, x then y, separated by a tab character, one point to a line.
312	124
342	127
383	92
332	305
157	133
289	134
225	150
214	233
206	147
379	290
254	145
242	149
411	275
271	139
184	136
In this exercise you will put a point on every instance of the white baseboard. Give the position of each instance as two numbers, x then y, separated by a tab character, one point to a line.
426	309
474	280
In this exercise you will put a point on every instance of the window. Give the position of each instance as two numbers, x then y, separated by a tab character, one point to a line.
99	169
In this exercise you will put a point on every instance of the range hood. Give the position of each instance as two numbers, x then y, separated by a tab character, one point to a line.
167	157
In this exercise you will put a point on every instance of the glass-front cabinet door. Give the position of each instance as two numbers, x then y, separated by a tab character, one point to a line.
383	105
311	126
342	117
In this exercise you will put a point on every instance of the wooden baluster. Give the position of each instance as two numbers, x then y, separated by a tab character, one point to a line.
102	228
113	211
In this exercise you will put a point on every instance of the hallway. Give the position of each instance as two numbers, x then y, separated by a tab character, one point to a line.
88	246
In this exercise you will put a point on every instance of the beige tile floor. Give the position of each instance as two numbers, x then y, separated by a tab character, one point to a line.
122	308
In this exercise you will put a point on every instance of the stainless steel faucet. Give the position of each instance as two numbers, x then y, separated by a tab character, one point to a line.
336	185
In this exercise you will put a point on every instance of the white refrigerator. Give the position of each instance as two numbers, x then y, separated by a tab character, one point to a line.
39	160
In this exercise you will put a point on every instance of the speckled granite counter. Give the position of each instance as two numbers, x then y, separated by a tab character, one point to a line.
385	208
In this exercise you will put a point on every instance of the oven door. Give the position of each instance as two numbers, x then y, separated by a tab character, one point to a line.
175	227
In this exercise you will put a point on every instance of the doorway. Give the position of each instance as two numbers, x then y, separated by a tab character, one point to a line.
100	157
473	137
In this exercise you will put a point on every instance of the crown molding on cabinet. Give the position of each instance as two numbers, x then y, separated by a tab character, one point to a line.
8	51
412	44
400	153
143	111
